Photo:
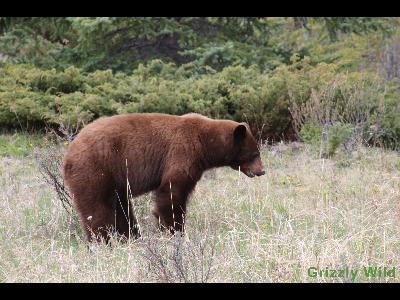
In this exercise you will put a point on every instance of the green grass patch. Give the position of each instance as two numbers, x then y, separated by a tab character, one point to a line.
19	144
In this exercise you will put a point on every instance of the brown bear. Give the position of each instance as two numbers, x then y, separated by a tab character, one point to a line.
142	152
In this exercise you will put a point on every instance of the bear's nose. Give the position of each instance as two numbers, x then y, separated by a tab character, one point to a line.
260	173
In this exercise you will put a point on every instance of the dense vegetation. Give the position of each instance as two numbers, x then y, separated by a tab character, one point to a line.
307	78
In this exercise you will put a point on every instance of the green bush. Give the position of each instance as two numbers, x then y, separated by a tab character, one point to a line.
338	135
386	129
33	97
326	140
311	133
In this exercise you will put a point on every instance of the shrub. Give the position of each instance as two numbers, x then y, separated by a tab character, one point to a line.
349	107
275	104
311	133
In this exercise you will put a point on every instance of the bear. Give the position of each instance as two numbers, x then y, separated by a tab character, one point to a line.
125	155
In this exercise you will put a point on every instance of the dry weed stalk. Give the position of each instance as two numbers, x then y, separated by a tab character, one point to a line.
181	259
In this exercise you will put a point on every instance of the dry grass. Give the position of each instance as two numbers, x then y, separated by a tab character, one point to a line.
304	212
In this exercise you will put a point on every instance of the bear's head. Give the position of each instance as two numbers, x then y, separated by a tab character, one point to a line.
247	155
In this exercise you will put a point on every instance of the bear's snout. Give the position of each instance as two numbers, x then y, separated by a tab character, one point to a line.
252	174
255	168
260	173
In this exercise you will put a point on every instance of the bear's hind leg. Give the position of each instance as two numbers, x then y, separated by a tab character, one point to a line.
97	221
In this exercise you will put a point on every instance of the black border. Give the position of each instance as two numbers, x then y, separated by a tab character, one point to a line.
198	8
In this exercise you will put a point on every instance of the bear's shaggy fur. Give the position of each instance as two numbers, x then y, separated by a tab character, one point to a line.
152	152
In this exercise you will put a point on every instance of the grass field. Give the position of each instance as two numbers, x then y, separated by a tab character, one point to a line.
305	212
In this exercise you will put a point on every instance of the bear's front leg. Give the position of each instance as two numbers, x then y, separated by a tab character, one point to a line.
171	198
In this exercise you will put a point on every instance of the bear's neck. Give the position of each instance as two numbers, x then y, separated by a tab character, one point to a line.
216	146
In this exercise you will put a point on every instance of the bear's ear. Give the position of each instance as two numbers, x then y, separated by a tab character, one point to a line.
240	132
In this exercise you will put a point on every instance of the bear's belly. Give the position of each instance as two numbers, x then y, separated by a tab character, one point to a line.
137	180
138	186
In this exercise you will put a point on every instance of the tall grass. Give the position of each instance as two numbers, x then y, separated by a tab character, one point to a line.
305	212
